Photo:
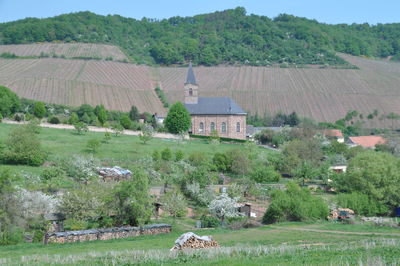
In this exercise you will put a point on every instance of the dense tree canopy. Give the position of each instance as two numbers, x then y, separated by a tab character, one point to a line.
376	175
229	36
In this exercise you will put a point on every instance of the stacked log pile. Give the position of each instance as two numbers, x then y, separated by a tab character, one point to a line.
105	233
193	241
115	173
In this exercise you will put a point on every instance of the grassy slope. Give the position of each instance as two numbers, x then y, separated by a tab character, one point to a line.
323	94
266	235
122	150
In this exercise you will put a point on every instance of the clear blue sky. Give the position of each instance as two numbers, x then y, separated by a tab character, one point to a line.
328	11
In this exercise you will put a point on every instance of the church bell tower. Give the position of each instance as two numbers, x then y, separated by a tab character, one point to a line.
191	87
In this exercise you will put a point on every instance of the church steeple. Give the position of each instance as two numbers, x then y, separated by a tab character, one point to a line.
191	87
190	78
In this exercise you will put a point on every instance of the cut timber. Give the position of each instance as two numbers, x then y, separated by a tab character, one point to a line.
192	241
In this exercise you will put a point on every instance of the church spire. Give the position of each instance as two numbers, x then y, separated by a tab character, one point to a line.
190	78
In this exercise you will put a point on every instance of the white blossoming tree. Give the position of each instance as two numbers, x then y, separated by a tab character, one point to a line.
224	206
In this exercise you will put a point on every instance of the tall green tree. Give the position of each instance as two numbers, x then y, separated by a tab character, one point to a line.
131	202
9	101
178	119
134	114
39	109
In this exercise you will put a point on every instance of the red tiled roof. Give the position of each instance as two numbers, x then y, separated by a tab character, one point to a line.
368	141
333	133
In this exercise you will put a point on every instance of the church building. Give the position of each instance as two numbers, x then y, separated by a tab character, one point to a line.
222	114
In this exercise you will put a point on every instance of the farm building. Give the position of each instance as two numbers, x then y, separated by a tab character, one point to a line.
366	141
220	114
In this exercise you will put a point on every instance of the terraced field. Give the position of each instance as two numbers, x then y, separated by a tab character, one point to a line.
68	50
116	85
323	94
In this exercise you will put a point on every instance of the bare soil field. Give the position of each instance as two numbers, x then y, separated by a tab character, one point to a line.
320	93
68	50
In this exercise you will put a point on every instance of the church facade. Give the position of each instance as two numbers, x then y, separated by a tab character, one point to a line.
221	114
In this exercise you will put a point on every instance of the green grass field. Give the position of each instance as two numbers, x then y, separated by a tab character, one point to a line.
122	150
283	244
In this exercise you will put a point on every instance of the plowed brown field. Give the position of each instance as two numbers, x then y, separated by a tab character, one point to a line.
323	94
69	50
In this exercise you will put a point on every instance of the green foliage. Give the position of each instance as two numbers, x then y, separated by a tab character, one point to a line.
376	175
162	97
131	202
240	163
9	101
146	134
174	203
295	204
178	119
222	162
156	155
198	159
39	109
23	147
54	120
209	222
107	137
297	151
179	155
118	129
126	122
360	203
134	114
93	145
265	174
74	119
81	128
101	114
166	154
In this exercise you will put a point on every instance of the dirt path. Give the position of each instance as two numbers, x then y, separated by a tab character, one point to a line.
337	232
96	129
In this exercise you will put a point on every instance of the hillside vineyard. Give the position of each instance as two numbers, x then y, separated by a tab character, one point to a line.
322	94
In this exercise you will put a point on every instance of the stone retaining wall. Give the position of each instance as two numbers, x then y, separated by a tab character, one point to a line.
105	233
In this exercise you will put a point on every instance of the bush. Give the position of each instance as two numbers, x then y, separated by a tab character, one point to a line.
222	162
179	155
54	120
23	147
93	145
166	154
295	204
360	203
126	122
198	159
81	128
265	174
209	222
9	101
18	117
39	109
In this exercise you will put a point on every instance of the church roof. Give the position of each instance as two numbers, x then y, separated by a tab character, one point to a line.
215	106
190	78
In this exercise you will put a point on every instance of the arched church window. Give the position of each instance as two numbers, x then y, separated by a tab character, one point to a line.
238	127
201	127
223	127
212	127
190	92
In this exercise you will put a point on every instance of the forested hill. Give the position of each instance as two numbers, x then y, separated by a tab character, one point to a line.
226	37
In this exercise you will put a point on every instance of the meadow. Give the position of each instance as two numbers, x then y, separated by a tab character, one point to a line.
123	150
283	244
